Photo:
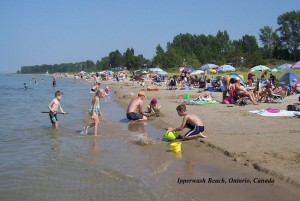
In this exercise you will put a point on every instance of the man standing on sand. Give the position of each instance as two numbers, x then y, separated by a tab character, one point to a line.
136	104
224	84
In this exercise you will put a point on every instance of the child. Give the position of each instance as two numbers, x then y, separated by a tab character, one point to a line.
94	112
153	108
53	106
192	122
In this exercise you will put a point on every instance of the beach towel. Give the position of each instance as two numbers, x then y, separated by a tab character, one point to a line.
199	102
281	113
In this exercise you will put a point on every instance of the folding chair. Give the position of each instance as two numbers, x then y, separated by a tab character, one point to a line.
278	97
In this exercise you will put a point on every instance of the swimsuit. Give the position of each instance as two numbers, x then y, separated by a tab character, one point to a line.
53	118
134	116
194	130
97	108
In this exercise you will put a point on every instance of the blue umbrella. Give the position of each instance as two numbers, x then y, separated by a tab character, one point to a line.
226	68
208	66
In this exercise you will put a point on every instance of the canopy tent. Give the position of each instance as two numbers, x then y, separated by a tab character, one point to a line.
226	68
234	75
208	66
296	65
289	77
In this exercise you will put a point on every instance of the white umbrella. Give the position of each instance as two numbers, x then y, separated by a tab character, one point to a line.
161	72
197	72
259	68
155	69
226	68
285	66
208	66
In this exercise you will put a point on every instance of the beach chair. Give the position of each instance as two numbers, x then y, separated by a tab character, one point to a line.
277	97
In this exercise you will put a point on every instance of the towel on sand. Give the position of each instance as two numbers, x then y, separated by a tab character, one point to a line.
281	113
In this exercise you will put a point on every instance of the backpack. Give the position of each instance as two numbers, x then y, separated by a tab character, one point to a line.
293	108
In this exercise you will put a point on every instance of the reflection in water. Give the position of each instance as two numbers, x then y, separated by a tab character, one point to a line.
138	127
53	139
94	150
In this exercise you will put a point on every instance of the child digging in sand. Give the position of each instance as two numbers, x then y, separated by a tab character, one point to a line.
190	121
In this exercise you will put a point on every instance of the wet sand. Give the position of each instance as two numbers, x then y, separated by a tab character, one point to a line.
267	144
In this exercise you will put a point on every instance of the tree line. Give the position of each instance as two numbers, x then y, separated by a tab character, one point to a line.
194	50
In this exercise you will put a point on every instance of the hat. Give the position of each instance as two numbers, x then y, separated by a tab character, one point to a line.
154	101
141	93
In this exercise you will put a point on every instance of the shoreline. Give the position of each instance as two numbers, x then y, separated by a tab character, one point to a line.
271	159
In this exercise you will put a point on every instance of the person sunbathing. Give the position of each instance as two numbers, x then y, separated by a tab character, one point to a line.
239	89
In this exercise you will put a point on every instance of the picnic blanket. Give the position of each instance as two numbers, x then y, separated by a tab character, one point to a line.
281	113
198	102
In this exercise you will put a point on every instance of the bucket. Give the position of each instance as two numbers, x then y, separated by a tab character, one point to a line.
171	136
187	96
176	147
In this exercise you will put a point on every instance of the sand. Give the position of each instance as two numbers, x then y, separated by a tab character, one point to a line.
268	144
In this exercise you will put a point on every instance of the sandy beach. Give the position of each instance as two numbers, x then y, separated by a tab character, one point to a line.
267	144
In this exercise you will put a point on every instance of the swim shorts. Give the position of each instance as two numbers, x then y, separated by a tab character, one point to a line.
134	116
53	118
195	130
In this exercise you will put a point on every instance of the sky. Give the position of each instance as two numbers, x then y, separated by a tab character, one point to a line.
36	32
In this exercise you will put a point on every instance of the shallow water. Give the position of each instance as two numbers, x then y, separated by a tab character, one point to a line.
125	162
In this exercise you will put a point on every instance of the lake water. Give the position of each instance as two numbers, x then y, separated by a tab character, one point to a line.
41	163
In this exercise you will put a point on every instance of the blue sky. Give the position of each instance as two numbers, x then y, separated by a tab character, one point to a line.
35	32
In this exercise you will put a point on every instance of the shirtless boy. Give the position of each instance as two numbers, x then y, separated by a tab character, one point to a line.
135	105
190	121
53	106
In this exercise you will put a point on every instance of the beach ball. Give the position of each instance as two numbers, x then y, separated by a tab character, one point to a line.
170	135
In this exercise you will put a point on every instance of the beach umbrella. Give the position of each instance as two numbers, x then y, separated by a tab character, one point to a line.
197	72
296	65
226	68
155	69
285	66
275	70
180	68
161	72
259	68
208	66
140	72
213	71
189	69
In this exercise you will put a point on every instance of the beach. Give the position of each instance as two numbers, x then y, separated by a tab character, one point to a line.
267	144
252	157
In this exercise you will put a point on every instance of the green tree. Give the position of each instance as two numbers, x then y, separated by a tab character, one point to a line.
289	29
115	58
269	39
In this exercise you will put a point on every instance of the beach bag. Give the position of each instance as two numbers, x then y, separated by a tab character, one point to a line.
293	108
227	100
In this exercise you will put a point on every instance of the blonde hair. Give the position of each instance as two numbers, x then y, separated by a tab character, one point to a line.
99	91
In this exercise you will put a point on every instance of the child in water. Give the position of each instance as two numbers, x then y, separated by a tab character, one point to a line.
94	112
190	121
53	106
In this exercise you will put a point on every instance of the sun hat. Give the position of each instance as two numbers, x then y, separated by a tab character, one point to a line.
141	93
154	101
